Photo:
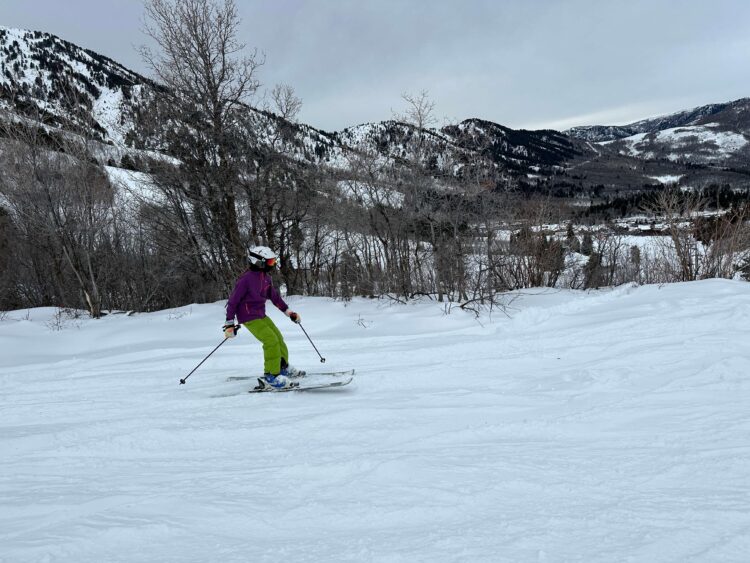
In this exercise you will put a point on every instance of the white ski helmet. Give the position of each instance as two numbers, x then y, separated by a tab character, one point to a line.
262	255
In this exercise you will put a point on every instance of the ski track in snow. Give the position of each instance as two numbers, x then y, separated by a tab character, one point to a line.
582	426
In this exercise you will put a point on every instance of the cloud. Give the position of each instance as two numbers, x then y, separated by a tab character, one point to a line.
517	62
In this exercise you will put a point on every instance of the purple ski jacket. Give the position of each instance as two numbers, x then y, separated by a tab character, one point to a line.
248	300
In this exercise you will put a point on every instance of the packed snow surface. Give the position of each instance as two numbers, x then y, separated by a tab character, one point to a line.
582	426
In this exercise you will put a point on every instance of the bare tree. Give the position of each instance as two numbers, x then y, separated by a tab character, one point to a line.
285	103
61	203
677	209
532	258
420	110
424	208
280	190
725	237
199	62
382	221
699	243
206	81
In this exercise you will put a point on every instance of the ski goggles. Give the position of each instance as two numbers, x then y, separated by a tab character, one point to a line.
270	262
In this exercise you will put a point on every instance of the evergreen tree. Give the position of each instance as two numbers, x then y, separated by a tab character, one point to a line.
572	240
587	245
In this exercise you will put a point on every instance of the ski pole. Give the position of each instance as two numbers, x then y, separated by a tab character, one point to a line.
322	359
182	381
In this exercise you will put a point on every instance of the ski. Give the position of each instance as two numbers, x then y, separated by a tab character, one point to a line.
349	372
298	387
335	383
242	377
345	372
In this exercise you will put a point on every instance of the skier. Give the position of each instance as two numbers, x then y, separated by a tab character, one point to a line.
248	304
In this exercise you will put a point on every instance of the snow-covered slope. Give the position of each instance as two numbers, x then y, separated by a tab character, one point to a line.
43	76
597	427
685	118
715	133
695	144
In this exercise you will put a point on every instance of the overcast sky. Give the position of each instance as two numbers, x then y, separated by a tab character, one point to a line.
520	63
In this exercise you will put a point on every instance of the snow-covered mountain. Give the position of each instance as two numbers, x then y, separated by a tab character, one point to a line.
715	133
470	137
40	76
599	133
697	143
41	73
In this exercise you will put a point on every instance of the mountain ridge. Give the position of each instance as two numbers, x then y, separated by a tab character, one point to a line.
692	116
699	146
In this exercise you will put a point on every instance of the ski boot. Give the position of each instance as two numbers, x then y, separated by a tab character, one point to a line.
273	382
292	372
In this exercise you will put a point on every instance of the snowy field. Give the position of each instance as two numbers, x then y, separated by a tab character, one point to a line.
592	427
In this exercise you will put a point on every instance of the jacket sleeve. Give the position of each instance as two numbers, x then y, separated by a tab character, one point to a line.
234	300
276	299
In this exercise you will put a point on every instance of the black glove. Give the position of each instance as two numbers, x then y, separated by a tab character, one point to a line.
230	329
292	315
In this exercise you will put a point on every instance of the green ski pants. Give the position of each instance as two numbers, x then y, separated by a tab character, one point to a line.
274	347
